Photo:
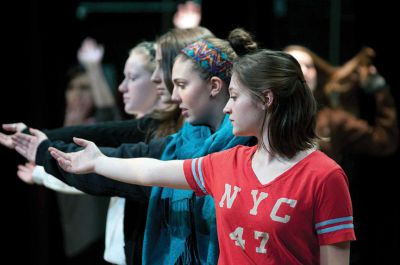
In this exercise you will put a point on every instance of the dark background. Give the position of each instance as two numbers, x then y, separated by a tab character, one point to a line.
39	42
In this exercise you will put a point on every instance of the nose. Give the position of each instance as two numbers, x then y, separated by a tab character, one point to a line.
227	109
175	95
122	86
156	77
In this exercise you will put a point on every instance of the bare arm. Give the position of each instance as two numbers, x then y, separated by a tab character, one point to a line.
336	254
141	171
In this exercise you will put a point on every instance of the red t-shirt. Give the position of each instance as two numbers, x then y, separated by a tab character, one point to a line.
282	222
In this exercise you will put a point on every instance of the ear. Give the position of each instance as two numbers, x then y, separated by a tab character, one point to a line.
216	86
269	98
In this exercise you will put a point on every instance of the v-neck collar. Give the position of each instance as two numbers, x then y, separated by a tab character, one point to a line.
279	177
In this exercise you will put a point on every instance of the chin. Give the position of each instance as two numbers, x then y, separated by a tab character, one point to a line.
236	132
240	133
189	120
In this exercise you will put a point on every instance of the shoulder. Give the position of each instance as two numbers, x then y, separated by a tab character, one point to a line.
323	166
236	152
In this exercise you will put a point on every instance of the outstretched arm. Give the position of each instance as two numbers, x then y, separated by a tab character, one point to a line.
96	184
142	171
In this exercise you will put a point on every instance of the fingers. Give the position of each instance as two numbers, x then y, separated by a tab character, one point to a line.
58	154
6	140
25	167
62	158
37	133
22	140
64	164
25	173
25	145
14	127
82	142
21	167
10	127
3	136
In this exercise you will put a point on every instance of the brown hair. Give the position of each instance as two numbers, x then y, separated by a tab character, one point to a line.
170	44
292	114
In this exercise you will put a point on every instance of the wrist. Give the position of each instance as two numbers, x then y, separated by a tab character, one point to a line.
99	162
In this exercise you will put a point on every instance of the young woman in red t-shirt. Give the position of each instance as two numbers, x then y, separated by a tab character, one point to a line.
279	202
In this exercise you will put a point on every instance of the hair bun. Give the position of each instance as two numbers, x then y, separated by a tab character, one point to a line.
242	42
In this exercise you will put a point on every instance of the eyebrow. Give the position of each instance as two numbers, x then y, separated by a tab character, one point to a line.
179	79
231	88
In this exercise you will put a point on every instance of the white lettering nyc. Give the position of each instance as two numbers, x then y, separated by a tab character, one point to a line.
230	199
237	235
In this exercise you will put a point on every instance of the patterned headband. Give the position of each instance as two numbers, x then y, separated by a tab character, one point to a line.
210	59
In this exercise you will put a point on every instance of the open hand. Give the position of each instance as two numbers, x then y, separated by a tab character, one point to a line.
80	162
90	52
25	172
26	145
5	139
188	15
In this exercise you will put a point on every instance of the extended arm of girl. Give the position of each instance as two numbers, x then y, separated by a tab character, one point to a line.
141	171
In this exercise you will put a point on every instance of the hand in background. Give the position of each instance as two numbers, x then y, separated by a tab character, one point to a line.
188	15
80	162
90	52
13	128
26	145
25	172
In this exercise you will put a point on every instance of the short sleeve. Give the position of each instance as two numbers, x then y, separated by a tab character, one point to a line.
333	216
196	174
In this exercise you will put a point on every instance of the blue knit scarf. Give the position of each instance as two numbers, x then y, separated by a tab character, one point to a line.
180	226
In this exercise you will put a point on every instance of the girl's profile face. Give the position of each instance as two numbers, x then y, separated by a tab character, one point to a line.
191	93
138	91
245	112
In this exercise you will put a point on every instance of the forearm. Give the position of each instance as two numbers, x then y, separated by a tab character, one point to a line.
143	171
100	89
